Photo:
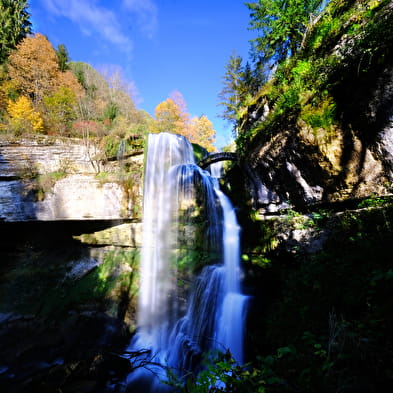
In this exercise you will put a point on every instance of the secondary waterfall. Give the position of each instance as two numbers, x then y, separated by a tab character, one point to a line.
177	324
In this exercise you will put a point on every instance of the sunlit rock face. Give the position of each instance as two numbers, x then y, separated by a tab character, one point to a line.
299	166
80	196
57	180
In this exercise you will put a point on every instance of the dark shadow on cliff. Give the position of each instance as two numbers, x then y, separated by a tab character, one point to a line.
364	105
364	102
58	322
284	156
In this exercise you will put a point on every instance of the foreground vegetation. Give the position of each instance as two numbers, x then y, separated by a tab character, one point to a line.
321	318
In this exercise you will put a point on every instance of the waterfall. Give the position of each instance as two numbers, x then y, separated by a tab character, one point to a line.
121	149
180	202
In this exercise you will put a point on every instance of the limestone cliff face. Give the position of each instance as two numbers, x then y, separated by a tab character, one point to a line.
295	164
300	167
49	180
77	298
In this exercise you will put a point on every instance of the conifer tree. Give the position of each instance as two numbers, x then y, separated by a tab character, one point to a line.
62	57
230	93
281	24
14	25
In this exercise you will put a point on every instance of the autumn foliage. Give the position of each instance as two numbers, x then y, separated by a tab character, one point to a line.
23	116
171	116
35	69
41	91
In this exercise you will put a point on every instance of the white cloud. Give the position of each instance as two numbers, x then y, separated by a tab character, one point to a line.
92	19
146	13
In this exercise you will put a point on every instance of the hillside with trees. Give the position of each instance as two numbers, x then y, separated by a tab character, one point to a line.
42	91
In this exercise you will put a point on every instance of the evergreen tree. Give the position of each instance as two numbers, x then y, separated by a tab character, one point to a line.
230	94
14	25
282	24
62	57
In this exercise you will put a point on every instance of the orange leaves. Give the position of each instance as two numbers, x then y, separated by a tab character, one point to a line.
34	67
68	80
34	72
169	118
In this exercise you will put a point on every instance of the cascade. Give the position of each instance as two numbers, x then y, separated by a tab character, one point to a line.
121	149
180	201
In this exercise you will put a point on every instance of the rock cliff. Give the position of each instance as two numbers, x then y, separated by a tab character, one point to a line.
55	179
321	129
69	256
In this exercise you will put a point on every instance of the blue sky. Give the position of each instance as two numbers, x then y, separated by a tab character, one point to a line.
160	45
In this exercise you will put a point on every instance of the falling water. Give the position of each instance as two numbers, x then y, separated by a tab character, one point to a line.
121	149
171	333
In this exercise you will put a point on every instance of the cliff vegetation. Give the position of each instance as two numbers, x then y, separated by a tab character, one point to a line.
312	116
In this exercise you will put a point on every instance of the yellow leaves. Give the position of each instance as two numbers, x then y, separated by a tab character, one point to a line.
204	132
169	118
23	116
172	116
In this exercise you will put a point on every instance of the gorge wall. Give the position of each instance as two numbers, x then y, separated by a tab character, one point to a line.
320	131
69	253
315	196
302	166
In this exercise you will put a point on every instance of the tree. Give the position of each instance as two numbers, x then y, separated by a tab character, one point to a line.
8	89
230	94
62	57
34	67
167	117
121	94
171	116
14	25
204	132
282	24
60	108
23	117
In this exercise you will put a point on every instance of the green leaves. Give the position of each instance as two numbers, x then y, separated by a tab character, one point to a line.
62	57
281	24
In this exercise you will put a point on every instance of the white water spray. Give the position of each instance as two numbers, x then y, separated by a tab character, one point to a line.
214	316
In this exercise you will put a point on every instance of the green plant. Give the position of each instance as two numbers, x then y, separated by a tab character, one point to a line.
373	201
221	373
321	115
